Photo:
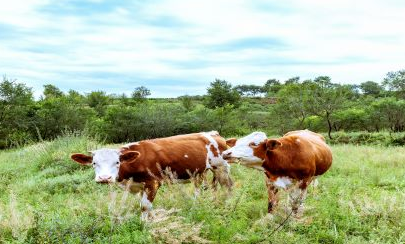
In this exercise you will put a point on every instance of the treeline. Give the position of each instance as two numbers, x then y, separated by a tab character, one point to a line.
275	107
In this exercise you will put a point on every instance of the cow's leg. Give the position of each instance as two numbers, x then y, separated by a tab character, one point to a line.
215	177
297	197
272	191
148	195
222	176
198	181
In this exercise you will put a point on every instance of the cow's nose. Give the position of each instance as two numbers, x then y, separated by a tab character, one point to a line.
104	179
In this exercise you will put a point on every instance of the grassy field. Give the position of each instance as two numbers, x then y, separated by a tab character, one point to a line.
47	198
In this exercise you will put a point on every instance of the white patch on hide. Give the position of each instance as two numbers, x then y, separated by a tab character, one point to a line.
211	159
283	182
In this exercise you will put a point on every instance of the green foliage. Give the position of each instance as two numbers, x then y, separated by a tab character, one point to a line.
367	138
395	81
98	100
249	90
293	80
292	108
187	102
56	115
318	104
371	88
140	94
350	119
51	91
220	93
125	123
390	112
271	87
16	113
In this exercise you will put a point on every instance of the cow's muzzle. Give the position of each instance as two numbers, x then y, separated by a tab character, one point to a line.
104	179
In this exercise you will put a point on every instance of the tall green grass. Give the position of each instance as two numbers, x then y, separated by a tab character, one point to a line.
47	198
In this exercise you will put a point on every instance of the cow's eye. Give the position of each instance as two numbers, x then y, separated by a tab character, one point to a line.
118	163
252	144
94	164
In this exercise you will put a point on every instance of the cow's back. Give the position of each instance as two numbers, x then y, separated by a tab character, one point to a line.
317	146
302	154
185	155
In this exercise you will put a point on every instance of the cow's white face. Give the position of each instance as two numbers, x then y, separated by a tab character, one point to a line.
243	150
106	163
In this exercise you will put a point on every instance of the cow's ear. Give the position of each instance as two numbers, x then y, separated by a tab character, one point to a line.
82	158
129	156
272	144
231	142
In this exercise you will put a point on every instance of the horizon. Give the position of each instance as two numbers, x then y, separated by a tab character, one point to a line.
177	48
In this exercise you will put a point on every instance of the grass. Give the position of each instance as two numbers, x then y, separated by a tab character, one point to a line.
47	198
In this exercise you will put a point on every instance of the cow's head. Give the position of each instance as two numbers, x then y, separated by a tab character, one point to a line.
106	162
243	149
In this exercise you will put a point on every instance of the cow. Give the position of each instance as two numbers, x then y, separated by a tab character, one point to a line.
144	165
291	162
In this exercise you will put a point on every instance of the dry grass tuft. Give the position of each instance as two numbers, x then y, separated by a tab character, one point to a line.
166	227
15	220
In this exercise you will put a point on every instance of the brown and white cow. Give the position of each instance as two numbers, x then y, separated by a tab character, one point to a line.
290	162
145	162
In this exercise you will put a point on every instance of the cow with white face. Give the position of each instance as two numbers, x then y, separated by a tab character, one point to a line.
144	163
289	162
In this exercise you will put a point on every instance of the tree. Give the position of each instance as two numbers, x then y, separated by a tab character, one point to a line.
220	93
291	108
98	100
249	90
293	80
396	82
326	98
51	91
371	88
391	111
16	113
140	94
187	102
271	87
58	114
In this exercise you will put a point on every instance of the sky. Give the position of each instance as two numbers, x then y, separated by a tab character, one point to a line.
177	47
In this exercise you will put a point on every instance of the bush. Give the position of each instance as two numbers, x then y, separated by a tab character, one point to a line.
367	138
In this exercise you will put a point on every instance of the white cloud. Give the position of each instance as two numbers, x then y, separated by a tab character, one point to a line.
183	44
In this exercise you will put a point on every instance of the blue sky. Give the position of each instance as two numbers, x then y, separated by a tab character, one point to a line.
178	47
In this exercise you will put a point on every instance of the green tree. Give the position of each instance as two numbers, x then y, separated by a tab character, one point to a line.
395	81
220	93
51	91
350	119
249	90
371	88
140	94
327	98
271	87
293	80
291	108
391	111
187	102
16	113
98	100
58	114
